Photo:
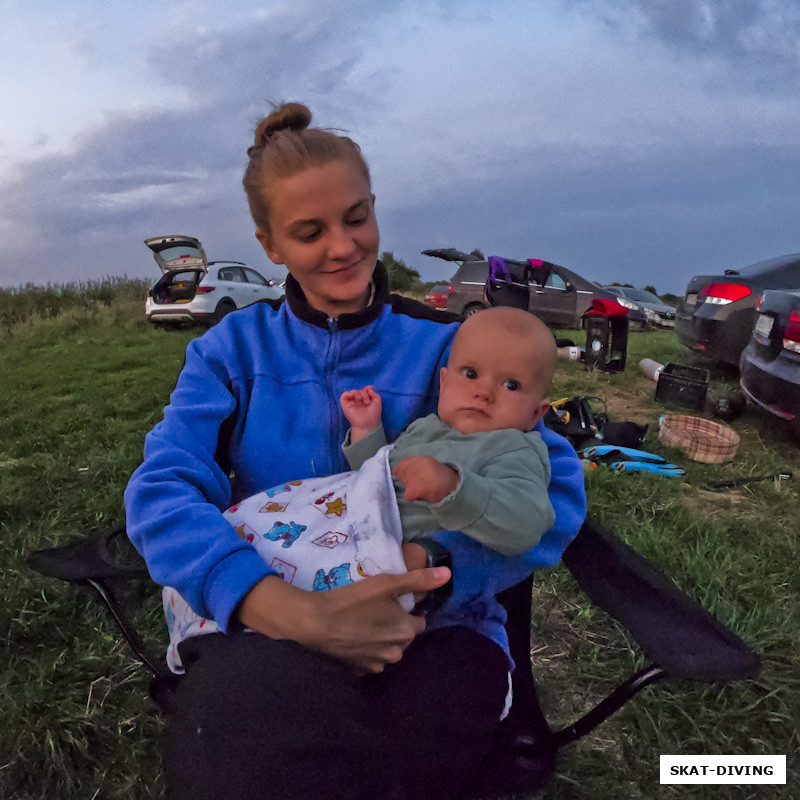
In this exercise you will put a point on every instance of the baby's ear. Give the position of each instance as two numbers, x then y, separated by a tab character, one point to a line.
539	412
442	376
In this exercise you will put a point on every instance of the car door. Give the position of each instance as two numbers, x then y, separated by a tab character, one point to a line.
260	287
553	303
236	286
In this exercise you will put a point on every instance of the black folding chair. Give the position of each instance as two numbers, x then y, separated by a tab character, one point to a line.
677	636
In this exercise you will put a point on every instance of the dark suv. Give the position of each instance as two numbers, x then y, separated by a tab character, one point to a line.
717	314
561	300
770	364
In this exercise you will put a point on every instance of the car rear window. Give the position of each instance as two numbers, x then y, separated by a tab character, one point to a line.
476	272
181	251
232	274
785	277
782	268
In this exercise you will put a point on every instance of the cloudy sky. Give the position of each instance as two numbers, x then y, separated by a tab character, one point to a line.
640	141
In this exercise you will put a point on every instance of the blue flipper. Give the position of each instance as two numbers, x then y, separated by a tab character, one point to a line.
606	452
667	470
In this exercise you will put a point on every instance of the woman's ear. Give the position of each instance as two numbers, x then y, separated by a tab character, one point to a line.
265	240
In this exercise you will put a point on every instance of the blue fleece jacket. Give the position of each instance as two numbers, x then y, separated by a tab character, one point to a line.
257	403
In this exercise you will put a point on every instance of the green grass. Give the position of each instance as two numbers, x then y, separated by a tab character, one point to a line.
736	552
81	388
78	392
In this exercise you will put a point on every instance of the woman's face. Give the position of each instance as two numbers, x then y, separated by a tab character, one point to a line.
323	228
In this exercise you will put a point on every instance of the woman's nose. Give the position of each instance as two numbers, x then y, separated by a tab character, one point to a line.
340	243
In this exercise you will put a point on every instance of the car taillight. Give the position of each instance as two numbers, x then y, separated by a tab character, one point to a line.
791	333
205	289
450	288
759	301
722	293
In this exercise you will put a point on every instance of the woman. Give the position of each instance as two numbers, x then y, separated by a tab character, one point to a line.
344	694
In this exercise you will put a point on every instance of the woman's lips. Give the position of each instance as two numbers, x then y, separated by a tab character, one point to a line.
344	270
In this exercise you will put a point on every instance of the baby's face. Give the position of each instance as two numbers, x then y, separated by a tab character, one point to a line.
490	384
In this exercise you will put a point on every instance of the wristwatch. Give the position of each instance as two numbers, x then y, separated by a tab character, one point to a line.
436	555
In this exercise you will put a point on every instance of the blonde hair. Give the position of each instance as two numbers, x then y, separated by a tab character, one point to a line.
284	145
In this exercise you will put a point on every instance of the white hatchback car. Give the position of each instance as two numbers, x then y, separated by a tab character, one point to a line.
193	289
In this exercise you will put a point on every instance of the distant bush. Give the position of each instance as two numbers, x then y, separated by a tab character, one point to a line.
26	303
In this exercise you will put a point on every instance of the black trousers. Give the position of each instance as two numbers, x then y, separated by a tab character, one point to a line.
258	718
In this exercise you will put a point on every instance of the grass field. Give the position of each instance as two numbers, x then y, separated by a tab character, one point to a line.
81	387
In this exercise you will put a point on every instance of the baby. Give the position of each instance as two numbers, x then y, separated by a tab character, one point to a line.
476	466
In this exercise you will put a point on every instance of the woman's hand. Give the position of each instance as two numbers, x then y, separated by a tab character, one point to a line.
361	624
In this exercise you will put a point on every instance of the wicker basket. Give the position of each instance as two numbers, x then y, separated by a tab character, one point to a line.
701	439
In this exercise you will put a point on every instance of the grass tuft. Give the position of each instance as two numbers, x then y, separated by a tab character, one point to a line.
81	387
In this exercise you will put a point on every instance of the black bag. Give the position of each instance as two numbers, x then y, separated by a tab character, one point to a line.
577	421
583	425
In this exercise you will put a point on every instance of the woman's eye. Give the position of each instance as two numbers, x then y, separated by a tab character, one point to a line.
308	236
470	373
512	386
357	221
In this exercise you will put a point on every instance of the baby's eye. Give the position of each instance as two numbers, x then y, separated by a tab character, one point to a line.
512	385
356	221
469	373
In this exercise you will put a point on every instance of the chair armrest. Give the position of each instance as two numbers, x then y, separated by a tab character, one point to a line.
672	629
101	554
97	560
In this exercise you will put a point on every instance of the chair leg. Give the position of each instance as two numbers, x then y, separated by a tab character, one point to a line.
125	626
605	708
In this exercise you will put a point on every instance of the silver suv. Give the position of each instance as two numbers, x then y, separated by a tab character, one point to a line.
192	289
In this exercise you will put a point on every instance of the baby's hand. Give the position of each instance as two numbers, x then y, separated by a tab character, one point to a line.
362	408
425	478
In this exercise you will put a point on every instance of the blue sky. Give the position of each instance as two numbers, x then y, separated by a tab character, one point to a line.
641	141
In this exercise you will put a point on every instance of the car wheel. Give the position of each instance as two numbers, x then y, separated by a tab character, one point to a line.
473	308
224	307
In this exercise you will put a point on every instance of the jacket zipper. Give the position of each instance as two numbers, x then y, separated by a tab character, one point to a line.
333	400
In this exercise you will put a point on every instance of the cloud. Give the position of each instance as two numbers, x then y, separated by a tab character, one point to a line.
760	35
655	219
530	132
137	173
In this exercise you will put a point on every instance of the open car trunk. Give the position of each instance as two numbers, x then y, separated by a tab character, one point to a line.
177	252
177	286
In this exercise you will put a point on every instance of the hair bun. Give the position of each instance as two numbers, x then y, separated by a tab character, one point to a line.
288	116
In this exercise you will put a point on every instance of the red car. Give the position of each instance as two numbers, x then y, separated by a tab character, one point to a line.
436	296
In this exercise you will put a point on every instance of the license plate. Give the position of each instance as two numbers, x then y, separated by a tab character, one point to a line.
763	327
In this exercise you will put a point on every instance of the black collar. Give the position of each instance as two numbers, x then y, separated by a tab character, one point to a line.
296	299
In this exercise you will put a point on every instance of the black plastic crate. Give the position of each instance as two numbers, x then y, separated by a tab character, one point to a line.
683	386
